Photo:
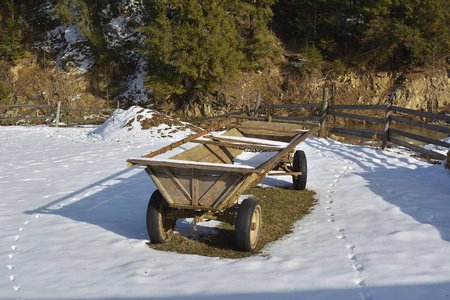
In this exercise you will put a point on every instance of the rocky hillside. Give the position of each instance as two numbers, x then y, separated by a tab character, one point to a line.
63	64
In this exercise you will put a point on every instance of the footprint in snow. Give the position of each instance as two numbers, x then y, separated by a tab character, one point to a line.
351	256
359	266
359	281
350	246
341	236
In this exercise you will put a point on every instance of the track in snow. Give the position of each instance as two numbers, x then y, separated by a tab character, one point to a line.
358	265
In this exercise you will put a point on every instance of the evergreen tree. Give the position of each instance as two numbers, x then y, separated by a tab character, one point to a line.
191	45
408	32
330	25
258	42
11	46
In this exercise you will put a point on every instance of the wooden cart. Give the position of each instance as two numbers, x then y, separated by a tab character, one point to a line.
205	181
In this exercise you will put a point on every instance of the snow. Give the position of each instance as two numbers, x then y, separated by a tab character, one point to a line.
73	225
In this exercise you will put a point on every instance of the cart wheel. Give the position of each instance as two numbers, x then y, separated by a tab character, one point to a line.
248	225
300	165
159	228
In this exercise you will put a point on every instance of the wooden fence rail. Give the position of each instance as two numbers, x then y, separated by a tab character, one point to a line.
389	135
56	115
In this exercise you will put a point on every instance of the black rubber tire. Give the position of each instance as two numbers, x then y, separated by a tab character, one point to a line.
248	225
159	228
300	165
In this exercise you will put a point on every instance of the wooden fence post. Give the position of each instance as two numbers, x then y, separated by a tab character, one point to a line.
323	115
387	118
257	104
333	99
58	112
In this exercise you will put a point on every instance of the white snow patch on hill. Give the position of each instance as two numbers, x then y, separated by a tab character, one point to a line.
140	124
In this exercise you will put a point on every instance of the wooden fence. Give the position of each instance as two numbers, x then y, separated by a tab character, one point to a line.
57	114
389	135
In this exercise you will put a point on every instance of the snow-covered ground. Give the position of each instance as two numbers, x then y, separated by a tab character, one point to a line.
72	219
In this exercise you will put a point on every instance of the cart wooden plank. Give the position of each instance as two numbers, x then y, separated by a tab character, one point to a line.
239	145
143	161
247	140
189	138
277	130
267	166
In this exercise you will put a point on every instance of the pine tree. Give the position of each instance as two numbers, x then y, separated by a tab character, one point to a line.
330	25
407	32
11	46
191	45
258	43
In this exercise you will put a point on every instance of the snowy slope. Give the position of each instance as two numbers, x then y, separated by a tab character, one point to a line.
72	218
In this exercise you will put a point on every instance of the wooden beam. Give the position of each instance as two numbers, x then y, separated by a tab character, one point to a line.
387	120
211	192
177	183
290	105
195	187
159	185
227	195
268	165
323	114
358	132
221	116
421	124
27	118
239	146
285	174
28	106
189	138
419	149
267	129
357	117
236	140
421	113
191	165
89	110
420	138
359	107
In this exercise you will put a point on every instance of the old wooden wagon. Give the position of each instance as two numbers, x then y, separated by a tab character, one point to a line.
205	181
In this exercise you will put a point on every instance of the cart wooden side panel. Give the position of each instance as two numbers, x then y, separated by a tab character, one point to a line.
195	188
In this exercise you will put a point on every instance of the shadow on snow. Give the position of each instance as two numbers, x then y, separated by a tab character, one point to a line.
117	203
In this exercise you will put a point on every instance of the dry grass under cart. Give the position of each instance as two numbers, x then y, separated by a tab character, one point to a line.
280	209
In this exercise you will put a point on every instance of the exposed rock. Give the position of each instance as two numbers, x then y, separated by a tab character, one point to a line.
427	90
14	73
